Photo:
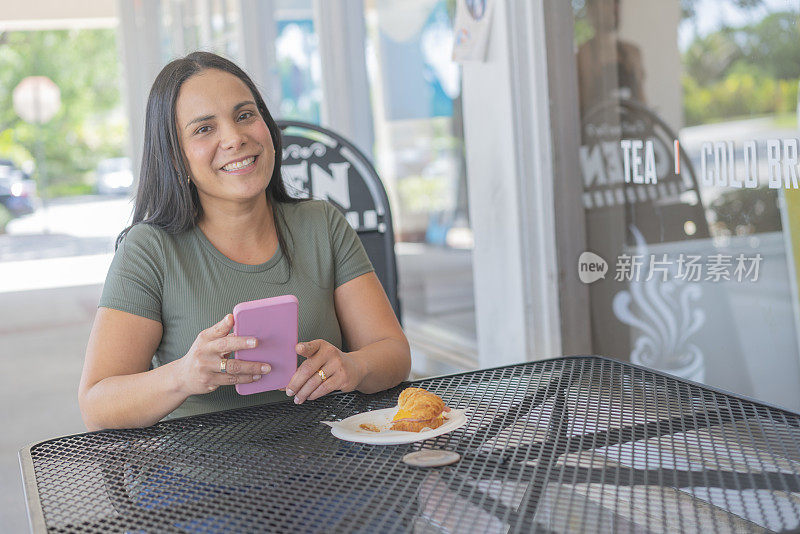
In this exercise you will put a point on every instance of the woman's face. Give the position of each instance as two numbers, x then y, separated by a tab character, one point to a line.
226	143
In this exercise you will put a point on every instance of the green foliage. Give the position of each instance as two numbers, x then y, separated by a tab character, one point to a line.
751	70
5	217
89	126
68	189
739	94
774	45
584	29
688	6
708	58
10	149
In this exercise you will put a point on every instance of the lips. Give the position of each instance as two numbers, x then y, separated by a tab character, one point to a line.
240	164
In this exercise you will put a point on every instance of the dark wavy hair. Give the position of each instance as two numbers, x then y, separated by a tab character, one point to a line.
165	198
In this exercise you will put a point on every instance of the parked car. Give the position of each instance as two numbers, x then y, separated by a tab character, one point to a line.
17	190
114	176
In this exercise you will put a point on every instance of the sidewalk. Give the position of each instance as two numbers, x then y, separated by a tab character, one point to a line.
52	265
43	333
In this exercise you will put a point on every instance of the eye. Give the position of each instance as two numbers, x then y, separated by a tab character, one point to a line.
246	115
203	129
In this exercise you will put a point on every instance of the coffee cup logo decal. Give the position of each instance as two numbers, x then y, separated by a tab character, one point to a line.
591	267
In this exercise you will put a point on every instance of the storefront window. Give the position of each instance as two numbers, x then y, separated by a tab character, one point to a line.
189	25
689	162
416	105
299	68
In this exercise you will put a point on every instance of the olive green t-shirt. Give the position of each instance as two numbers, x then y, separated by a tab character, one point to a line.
187	285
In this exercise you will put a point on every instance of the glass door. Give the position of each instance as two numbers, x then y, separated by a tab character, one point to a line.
415	90
688	159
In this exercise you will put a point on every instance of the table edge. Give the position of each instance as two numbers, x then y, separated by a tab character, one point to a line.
714	389
625	364
33	503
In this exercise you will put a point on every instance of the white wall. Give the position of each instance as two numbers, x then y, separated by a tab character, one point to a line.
57	14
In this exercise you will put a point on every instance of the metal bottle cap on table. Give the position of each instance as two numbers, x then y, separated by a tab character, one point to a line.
431	458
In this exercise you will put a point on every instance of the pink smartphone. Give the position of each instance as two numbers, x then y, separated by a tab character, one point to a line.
274	322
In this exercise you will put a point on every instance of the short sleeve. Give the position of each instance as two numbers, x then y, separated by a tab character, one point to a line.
135	280
350	258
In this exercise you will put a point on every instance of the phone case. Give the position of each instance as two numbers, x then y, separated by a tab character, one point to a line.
274	322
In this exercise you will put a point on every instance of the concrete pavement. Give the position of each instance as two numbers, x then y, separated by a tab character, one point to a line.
43	335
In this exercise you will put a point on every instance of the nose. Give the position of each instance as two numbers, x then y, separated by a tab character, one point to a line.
231	137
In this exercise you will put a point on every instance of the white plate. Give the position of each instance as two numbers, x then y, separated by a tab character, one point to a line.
349	429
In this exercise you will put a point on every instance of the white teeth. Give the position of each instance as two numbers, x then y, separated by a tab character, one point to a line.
239	164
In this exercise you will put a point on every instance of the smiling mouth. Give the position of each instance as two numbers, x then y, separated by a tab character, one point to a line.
239	165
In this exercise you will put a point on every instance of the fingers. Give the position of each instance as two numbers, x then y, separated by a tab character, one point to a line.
220	329
329	385
309	348
203	361
225	379
230	343
307	384
236	372
315	353
221	335
244	367
315	387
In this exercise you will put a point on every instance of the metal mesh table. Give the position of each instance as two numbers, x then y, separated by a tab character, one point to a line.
576	444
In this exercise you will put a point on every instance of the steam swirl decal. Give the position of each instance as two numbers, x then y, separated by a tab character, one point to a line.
666	315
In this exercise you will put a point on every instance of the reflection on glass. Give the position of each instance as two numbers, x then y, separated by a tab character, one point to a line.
299	69
688	144
415	91
189	25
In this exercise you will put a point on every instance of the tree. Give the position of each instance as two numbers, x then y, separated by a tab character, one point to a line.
90	124
688	6
709	58
749	70
774	45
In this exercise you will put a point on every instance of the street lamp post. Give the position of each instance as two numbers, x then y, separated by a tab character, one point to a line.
36	100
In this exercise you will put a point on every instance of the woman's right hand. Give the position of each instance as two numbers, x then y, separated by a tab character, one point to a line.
199	371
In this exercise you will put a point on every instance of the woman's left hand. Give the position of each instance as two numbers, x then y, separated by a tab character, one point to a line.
341	371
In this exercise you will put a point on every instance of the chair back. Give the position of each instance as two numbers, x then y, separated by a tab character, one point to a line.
320	164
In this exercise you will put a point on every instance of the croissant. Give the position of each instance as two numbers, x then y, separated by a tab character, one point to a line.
418	409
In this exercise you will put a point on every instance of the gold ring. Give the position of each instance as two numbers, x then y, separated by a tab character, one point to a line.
223	364
321	374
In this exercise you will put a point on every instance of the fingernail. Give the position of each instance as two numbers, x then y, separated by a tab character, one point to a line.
256	377
266	369
251	342
300	347
289	392
296	400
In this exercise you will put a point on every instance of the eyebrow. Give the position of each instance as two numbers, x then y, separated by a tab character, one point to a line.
209	117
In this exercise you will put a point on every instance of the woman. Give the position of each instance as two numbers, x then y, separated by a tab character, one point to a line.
214	226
